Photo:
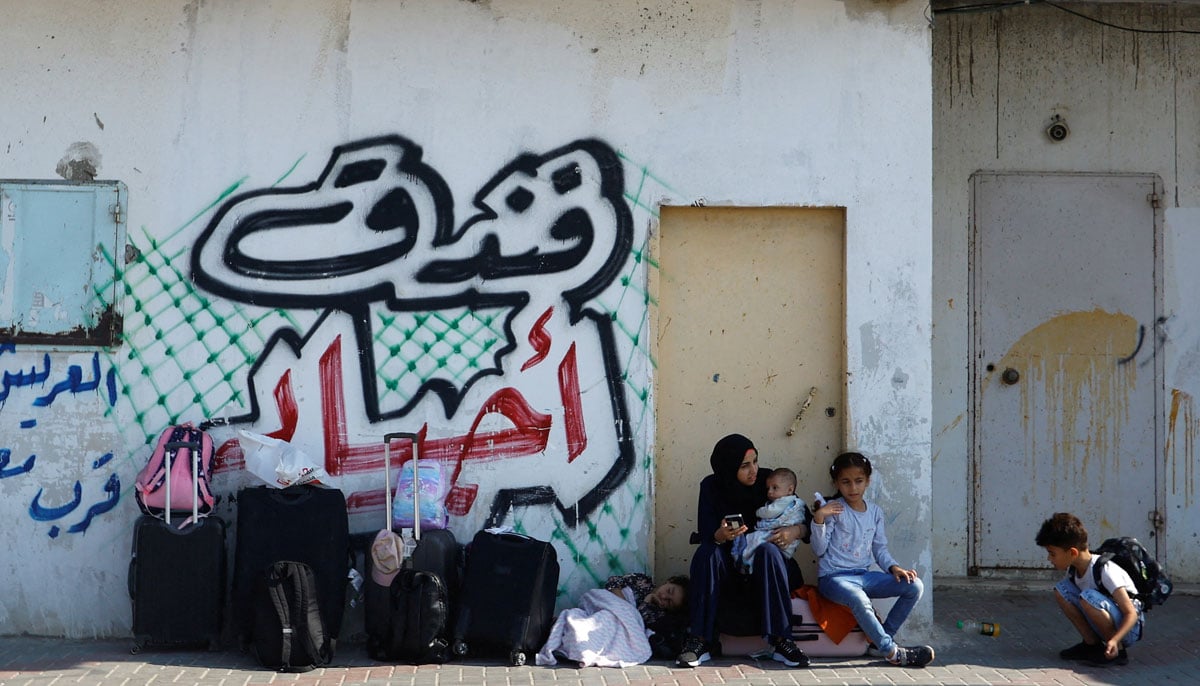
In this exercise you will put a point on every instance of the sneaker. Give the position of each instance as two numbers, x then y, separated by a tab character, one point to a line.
785	651
1080	651
914	656
1099	660
876	652
695	652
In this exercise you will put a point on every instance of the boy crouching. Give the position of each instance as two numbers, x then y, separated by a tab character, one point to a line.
1107	618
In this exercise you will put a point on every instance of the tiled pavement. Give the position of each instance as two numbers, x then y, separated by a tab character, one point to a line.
1024	653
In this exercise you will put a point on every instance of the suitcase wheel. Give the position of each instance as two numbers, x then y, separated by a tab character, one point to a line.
135	649
517	658
459	648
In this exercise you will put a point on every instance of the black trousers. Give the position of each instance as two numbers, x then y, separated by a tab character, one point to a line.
770	582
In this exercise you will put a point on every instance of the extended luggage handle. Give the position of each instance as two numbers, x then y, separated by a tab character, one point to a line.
387	463
172	448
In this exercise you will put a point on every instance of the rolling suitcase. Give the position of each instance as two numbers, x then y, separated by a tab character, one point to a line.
177	574
506	605
807	634
408	612
305	524
437	551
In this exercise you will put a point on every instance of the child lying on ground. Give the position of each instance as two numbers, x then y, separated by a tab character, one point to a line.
611	627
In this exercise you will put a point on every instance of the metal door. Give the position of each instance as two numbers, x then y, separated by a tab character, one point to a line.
1066	379
60	243
749	339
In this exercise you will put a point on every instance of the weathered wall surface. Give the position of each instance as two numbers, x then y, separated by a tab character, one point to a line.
350	218
1130	101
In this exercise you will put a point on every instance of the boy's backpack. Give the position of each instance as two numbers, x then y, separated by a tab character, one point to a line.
289	634
1149	577
419	627
173	452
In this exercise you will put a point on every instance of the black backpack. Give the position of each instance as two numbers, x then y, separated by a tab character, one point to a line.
1149	577
420	617
289	634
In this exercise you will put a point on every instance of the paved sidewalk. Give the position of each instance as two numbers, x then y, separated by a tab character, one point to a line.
1026	652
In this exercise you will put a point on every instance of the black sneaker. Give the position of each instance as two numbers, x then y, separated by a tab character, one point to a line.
1099	660
695	652
785	651
1080	651
914	656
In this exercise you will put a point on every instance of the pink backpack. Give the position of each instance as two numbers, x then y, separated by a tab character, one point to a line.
157	493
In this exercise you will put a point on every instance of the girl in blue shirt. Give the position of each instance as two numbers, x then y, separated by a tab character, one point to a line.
847	536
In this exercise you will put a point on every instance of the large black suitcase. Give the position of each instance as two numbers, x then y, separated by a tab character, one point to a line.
300	523
177	582
177	570
414	596
506	604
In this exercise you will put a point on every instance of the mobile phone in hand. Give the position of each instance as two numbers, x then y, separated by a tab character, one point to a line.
734	521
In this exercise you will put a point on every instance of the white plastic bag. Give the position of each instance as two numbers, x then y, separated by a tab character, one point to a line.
279	463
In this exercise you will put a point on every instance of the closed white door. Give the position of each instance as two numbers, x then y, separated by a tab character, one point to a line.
1067	379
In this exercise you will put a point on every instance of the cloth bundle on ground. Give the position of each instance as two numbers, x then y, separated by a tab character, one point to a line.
604	631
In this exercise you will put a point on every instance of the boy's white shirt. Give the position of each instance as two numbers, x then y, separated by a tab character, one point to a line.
1111	575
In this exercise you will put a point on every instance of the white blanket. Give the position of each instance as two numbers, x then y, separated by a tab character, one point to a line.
604	631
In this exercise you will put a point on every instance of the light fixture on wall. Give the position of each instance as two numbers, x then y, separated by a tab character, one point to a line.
1057	130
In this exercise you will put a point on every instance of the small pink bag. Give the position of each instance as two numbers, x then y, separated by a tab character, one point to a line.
176	475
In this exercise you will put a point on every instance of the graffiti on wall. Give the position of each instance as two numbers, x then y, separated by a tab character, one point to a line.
484	331
46	385
511	339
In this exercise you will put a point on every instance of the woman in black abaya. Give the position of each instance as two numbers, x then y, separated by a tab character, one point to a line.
738	486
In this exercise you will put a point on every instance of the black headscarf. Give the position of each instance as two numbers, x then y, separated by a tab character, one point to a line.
727	455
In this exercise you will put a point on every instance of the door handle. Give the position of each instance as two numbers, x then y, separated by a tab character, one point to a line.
1010	376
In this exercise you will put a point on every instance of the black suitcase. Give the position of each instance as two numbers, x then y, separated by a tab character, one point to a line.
177	582
423	592
300	523
506	604
177	574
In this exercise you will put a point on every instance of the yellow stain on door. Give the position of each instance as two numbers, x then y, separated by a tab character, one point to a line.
1074	385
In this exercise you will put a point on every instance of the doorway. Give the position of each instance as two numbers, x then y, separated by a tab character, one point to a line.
750	333
1066	375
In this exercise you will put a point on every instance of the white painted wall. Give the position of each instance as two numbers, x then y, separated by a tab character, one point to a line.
1130	103
822	103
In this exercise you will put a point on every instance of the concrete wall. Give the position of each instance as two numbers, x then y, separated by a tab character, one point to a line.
1131	104
484	284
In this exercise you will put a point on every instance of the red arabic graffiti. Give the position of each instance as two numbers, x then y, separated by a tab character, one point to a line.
528	434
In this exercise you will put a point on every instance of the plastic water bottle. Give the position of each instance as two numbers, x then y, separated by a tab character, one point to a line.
410	546
972	626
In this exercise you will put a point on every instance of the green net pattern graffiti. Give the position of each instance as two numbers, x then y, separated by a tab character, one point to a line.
183	355
411	348
186	356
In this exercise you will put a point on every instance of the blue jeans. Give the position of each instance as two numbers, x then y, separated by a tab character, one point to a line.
855	588
1071	593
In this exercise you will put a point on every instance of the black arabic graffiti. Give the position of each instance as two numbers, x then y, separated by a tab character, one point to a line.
557	219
